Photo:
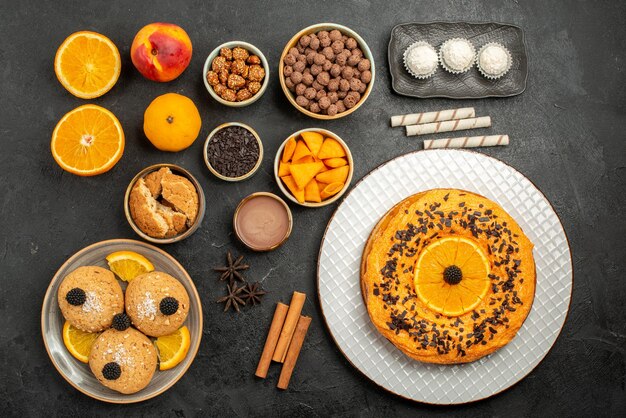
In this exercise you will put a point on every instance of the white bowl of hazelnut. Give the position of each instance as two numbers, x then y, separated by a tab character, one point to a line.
236	74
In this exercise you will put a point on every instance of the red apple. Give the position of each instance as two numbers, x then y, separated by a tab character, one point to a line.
161	51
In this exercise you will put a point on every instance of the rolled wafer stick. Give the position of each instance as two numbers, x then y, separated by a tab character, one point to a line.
295	307
429	117
293	352
272	338
467	142
448	126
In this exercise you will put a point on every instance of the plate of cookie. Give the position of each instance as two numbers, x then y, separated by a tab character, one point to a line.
121	321
445	276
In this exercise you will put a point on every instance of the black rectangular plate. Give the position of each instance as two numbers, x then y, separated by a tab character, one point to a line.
469	85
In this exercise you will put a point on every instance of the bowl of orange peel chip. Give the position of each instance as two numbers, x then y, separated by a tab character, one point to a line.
313	167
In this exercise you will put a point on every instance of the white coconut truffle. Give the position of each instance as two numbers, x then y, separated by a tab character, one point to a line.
457	55
420	60
494	60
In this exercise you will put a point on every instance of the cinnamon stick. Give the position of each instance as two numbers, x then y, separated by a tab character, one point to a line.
295	308
294	351
272	338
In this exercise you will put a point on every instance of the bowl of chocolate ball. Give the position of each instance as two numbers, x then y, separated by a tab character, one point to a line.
326	71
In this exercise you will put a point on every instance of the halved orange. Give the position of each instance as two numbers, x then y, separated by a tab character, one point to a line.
128	264
173	348
451	275
87	64
88	140
78	342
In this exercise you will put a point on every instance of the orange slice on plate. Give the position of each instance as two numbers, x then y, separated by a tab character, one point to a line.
128	264
78	342
87	141
451	276
87	64
173	348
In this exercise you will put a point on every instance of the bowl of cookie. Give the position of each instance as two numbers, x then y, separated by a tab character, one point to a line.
164	203
326	71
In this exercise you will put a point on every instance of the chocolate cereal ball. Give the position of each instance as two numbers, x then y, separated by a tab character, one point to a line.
296	77
351	99
351	43
290	59
335	35
366	76
328	53
333	85
310	93
342	58
300	88
325	41
324	103
363	65
320	94
290	84
305	41
355	84
299	66
340	107
353	60
293	51
302	58
327	65
344	85
287	70
323	78
310	57
302	101
333	96
316	69
335	70
314	44
347	73
317	86
332	110
337	47
314	107
319	59
300	48
308	78
341	94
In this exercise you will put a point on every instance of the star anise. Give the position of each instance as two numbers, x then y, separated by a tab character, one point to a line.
231	272
252	293
232	298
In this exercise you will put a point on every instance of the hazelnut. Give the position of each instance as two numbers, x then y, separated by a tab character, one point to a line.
316	69
332	110
212	78
319	59
366	76
333	85
302	101
335	70
305	41
287	70
253	60
310	93
218	63
333	96
254	87
320	94
351	43
363	65
219	89
293	51
314	107
347	73
296	77
238	67
240	53
340	107
334	35
310	57
355	84
290	84
229	95
327	65
307	78
299	66
328	53
257	73
223	75
337	47
300	88
324	103
243	94
236	82
317	86
325	41
226	53
323	78
290	59
315	45
353	60
344	85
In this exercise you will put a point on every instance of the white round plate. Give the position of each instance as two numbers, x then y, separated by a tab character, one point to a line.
340	292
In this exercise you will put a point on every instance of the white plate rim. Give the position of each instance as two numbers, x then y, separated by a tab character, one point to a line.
362	180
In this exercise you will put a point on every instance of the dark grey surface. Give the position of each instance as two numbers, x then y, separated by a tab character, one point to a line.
470	84
567	133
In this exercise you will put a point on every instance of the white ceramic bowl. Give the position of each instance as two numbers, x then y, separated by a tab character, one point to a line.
286	191
251	49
